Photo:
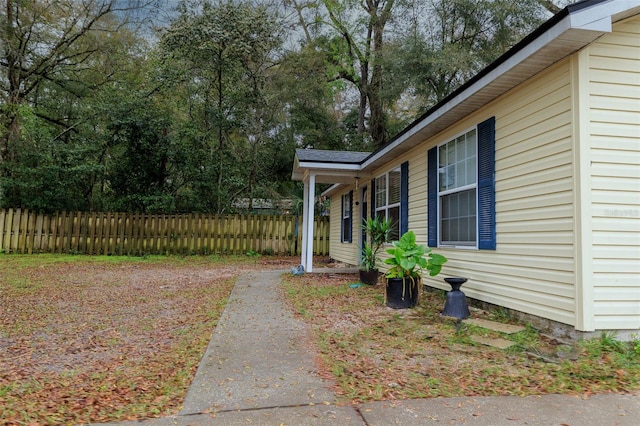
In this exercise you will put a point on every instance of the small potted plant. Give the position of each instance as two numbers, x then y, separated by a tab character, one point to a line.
408	260
377	231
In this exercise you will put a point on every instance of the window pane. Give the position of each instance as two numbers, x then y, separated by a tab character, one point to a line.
448	178
458	213
471	171
394	215
463	229
346	230
394	187
381	191
442	179
460	148
346	207
442	156
471	143
464	204
444	207
445	231
451	152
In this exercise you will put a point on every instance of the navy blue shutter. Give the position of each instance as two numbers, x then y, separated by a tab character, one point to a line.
350	236
486	185
432	197
342	219
404	197
373	198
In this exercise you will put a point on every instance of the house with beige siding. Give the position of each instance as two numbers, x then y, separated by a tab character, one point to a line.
527	177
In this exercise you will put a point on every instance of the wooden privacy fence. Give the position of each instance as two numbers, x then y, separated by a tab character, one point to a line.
23	231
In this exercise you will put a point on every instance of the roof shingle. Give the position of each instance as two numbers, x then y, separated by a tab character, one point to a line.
327	156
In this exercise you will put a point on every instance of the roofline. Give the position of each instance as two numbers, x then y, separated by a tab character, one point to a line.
545	33
593	17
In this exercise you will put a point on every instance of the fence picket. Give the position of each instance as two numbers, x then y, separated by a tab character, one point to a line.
31	223
6	241
22	231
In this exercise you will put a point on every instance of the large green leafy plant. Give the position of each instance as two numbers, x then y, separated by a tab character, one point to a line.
409	259
378	231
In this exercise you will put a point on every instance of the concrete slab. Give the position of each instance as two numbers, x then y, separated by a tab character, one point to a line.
257	356
340	270
316	415
495	326
493	342
620	410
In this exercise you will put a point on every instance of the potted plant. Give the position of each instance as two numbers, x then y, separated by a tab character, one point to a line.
377	231
408	260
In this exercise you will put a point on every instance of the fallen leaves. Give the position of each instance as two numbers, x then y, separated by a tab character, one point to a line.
372	352
88	339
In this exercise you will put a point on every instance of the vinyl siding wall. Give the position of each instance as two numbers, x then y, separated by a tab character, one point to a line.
614	136
532	268
344	252
542	250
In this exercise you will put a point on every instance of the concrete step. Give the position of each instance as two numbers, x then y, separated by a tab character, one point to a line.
494	326
493	342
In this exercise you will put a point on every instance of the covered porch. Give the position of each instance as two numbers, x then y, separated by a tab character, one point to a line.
312	167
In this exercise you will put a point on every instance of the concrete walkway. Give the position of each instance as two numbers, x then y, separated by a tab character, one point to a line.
257	371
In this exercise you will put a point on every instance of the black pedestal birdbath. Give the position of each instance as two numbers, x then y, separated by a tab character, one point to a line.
456	303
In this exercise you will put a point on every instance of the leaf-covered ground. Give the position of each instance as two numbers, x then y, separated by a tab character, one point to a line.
376	353
92	339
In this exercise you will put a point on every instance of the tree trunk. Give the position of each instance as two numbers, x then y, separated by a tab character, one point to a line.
377	124
220	146
10	121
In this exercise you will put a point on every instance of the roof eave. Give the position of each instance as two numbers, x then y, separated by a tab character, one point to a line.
570	31
325	172
329	191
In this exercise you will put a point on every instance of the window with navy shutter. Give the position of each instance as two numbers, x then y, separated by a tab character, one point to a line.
390	192
347	218
461	190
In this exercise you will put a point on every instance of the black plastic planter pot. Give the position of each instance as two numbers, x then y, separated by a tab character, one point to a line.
369	277
456	303
402	293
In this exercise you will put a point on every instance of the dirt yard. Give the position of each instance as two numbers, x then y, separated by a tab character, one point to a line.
94	339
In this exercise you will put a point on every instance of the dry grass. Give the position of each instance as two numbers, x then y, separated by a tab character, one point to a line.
376	353
92	339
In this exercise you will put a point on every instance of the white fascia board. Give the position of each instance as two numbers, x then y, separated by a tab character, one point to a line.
591	23
600	17
588	19
309	165
331	189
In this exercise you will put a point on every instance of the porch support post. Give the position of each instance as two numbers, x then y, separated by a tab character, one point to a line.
307	223
303	227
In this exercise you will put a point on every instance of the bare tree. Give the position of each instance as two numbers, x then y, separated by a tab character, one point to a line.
48	42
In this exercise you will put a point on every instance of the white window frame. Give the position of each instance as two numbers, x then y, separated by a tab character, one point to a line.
386	207
463	188
346	218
